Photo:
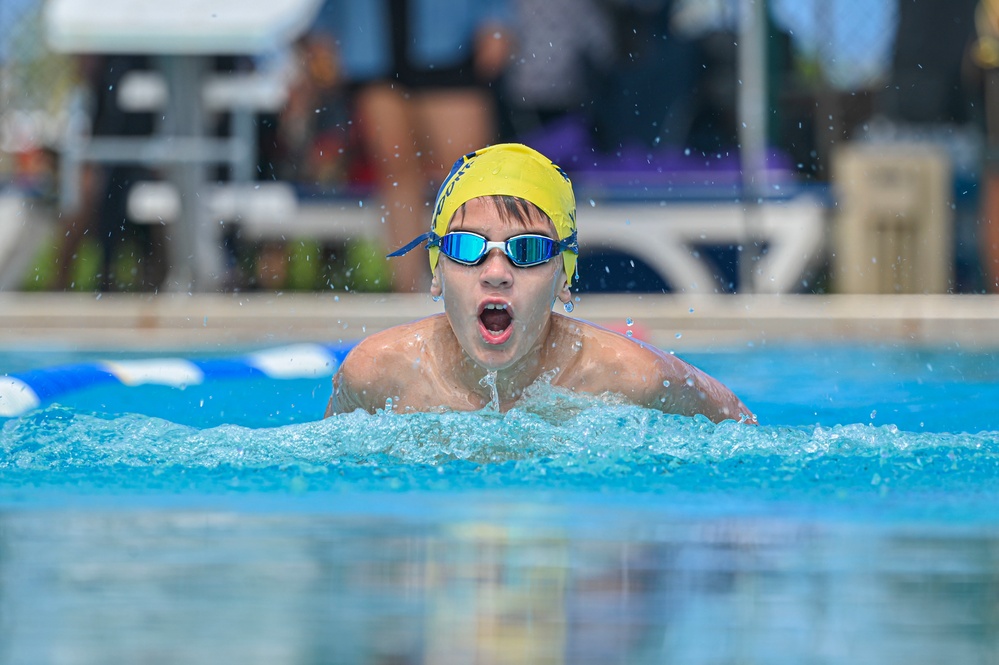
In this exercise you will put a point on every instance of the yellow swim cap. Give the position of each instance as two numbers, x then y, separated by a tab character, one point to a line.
508	169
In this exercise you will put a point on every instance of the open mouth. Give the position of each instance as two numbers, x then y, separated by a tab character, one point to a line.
496	321
495	318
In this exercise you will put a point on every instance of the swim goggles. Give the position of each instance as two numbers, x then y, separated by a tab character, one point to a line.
470	249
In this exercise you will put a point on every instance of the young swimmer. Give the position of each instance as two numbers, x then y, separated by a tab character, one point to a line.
505	223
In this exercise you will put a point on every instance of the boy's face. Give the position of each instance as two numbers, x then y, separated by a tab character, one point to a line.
498	311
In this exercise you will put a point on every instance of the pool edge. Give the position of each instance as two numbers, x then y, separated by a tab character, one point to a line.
99	321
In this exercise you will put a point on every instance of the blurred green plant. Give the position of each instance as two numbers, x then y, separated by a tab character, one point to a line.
357	265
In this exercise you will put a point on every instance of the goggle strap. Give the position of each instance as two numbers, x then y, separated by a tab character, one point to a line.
569	244
433	240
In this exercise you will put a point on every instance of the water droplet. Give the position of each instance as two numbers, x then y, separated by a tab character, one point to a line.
666	383
630	334
629	322
679	335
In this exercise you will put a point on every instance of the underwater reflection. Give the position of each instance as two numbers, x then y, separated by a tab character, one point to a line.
510	584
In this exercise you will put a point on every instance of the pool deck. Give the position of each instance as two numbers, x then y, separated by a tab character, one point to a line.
674	322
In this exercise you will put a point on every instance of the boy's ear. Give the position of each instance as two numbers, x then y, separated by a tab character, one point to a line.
565	294
436	290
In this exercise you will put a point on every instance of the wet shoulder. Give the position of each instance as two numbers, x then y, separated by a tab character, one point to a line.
609	345
391	352
604	360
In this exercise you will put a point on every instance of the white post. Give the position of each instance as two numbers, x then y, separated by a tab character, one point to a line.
752	129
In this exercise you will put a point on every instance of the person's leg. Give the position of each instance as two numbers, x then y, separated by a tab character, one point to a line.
272	265
456	122
989	231
156	263
393	145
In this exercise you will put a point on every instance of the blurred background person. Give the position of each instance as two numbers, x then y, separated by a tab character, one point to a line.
102	209
312	143
931	99
419	73
984	51
563	51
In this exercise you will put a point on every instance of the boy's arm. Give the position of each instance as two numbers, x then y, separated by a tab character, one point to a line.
684	389
343	399
355	383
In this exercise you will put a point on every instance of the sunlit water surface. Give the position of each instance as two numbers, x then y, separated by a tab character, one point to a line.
227	523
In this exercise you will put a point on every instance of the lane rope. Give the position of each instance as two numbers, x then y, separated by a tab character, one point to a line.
21	392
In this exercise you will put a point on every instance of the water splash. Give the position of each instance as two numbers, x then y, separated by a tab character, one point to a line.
489	381
554	439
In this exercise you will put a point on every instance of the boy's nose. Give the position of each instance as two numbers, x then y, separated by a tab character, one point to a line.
496	267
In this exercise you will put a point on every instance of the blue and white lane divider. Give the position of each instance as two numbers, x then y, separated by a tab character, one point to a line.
21	392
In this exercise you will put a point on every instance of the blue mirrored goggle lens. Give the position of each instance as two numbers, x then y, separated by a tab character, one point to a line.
523	251
466	248
529	250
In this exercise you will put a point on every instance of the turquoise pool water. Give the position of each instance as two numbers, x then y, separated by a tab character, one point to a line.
224	521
